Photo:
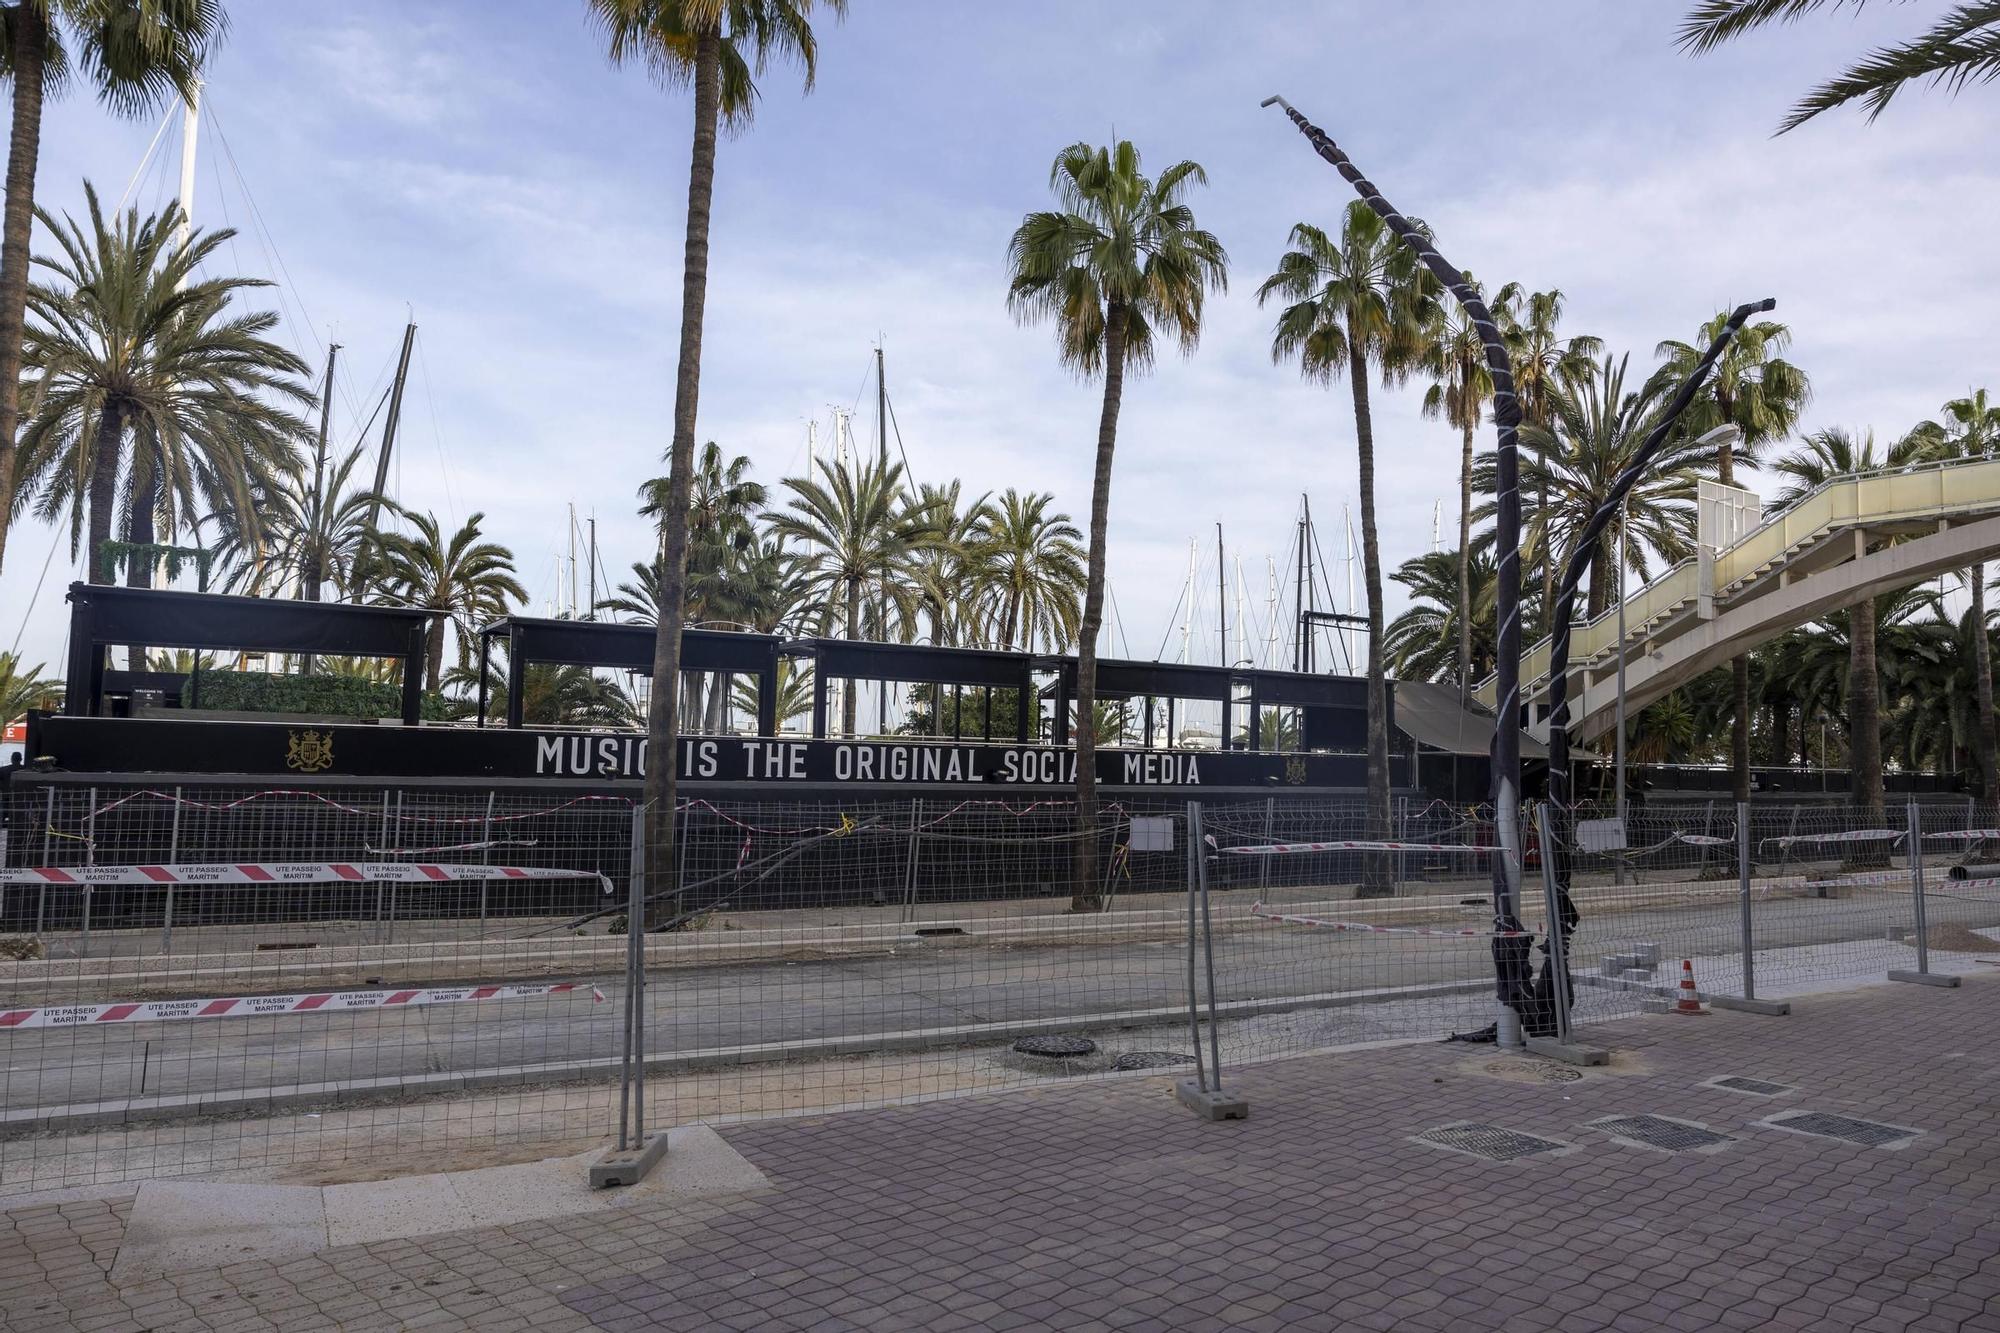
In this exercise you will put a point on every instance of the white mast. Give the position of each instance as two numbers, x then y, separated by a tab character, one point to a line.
1271	610
1347	634
1187	603
812	448
190	131
1437	516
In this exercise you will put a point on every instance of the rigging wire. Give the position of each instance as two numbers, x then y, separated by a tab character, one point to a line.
437	432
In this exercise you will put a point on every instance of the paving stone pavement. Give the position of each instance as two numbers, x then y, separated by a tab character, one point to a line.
1105	1205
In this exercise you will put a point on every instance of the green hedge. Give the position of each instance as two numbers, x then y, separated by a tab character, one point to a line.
338	696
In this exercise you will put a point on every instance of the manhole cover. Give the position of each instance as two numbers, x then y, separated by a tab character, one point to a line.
1658	1131
1057	1046
1492	1142
1756	1087
1826	1125
1534	1071
1151	1060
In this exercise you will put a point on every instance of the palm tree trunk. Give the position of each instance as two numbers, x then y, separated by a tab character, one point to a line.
139	531
1982	683
29	50
1465	563
1376	880
104	459
848	702
1084	895
1864	708
663	718
434	650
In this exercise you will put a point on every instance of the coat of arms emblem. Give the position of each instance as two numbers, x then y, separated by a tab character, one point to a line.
309	751
1295	770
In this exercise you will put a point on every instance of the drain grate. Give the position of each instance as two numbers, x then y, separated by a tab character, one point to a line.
1150	1060
1492	1142
1059	1047
1756	1087
1662	1132
1826	1125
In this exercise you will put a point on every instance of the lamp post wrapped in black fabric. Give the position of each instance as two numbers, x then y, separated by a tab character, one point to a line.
1512	950
1540	1018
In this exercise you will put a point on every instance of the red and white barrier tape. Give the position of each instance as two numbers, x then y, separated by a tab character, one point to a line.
1968	834
284	872
1701	840
1257	910
1284	848
1851	835
161	1011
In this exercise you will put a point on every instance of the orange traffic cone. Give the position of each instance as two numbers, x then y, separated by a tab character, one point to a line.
1690	999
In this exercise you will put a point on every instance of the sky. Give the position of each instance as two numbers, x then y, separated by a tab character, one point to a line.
477	165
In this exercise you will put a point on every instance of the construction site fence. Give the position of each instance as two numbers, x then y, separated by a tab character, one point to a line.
199	979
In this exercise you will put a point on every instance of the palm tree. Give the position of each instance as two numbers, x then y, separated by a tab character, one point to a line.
861	537
134	55
723	503
1960	49
1119	262
1597	427
950	583
139	373
718	47
1364	298
1543	363
1971	429
306	536
1753	388
1822	456
1424	642
1454	357
22	688
462	579
553	696
1033	569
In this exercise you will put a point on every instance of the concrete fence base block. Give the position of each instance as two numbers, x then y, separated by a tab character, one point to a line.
1568	1052
1211	1103
1924	978
1772	1008
628	1167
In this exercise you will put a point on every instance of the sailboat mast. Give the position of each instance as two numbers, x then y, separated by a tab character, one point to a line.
1221	599
881	406
591	613
382	459
190	132
318	501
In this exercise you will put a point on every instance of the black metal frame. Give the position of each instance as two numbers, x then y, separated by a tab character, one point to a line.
540	641
920	664
106	614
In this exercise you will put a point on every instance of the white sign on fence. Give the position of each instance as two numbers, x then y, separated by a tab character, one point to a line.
1600	835
1152	833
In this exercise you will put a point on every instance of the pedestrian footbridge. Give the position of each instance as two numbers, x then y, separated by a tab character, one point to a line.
1752	579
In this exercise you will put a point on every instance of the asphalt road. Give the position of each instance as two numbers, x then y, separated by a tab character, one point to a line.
914	986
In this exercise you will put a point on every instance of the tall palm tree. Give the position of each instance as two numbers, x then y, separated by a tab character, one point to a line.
134	55
723	503
1822	456
307	535
950	583
1543	362
1753	388
1454	357
1971	429
717	47
1425	641
860	535
1118	264
1354	301
1960	49
139	373
462	578
1033	567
